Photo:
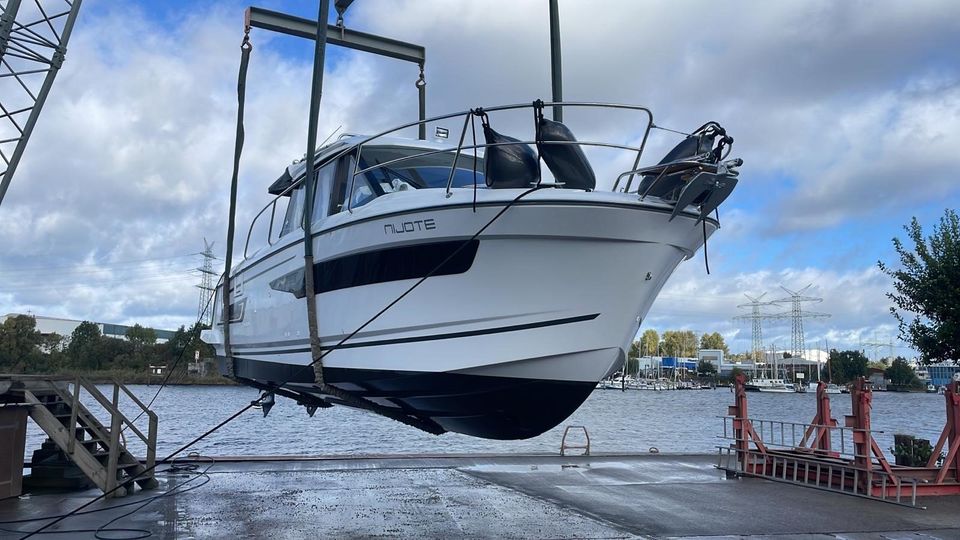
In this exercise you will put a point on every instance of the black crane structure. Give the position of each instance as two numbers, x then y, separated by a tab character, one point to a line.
33	45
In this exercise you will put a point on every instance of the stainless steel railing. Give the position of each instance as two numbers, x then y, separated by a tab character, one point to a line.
457	151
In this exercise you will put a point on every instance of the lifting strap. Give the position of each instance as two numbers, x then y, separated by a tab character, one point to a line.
245	49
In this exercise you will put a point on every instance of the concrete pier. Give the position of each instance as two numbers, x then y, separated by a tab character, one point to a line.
645	496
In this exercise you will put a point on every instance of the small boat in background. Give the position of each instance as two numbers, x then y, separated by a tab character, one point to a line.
777	386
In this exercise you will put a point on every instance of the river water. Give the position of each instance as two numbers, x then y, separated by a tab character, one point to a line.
631	421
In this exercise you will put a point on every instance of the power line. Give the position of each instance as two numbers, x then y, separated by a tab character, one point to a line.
91	267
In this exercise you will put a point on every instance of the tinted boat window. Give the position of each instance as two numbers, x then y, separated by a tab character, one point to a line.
326	176
419	172
294	217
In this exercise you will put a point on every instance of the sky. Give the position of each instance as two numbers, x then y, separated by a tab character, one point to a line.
846	114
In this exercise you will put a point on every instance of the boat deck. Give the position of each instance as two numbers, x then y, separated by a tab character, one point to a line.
491	496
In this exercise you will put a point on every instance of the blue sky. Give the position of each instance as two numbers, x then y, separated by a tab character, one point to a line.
847	115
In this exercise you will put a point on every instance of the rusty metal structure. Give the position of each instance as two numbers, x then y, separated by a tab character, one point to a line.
844	459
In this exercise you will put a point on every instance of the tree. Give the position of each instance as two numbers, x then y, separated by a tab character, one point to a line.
142	341
84	344
706	368
845	366
901	374
141	336
19	339
649	342
714	341
634	350
679	343
927	289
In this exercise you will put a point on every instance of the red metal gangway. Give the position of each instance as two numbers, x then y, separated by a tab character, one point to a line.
846	459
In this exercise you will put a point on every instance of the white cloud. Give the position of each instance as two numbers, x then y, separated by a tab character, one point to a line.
857	103
855	300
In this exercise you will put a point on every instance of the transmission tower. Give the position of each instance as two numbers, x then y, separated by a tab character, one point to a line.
33	42
756	318
797	314
204	308
876	347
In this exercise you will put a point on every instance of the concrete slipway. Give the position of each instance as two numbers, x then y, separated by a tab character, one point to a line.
504	496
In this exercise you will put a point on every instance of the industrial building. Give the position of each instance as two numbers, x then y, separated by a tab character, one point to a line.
942	374
65	327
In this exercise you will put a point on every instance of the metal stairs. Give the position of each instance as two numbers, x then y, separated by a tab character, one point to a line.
97	448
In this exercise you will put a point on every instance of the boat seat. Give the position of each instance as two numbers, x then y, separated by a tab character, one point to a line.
567	162
669	185
510	165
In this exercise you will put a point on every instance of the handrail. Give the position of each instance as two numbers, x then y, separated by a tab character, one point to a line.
666	167
788	437
564	446
358	146
114	411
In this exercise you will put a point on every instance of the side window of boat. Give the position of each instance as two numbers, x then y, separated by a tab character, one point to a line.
360	188
338	193
326	177
362	191
293	219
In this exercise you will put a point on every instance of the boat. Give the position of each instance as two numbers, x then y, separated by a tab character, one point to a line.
513	328
477	287
778	386
832	389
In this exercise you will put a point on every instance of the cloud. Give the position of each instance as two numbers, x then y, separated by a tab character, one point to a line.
855	301
842	111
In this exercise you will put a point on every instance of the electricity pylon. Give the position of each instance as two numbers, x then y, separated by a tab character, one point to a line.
876	346
756	317
204	308
33	42
797	314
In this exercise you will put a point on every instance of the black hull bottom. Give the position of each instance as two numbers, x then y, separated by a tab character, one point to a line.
488	407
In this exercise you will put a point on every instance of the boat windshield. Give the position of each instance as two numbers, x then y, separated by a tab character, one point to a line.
396	164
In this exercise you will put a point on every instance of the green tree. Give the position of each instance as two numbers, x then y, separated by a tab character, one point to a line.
706	368
111	352
183	347
881	364
83	350
901	374
142	341
141	336
649	342
634	350
679	343
927	289
845	366
19	340
714	341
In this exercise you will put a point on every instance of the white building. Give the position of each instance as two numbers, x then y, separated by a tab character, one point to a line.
65	327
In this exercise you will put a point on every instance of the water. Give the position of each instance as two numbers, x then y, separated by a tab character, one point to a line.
632	421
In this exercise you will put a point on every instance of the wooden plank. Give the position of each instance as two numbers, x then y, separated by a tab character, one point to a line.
59	434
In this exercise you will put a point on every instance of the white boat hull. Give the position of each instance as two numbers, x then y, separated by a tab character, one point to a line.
545	308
